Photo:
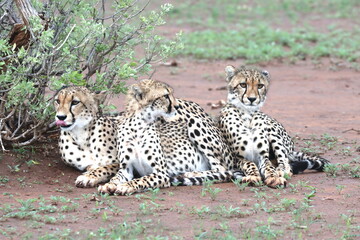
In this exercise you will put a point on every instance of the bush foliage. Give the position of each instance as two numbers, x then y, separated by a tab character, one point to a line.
80	42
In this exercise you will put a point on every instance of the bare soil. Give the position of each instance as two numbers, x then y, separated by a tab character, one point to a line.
309	100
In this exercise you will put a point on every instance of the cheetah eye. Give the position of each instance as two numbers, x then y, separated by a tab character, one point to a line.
75	102
166	96
243	85
57	101
260	86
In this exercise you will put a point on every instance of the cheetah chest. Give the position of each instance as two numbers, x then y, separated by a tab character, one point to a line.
253	138
140	149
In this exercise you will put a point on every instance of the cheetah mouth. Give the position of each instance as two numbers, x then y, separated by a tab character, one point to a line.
62	124
65	127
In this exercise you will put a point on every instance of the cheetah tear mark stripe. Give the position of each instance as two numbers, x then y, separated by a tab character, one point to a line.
242	97
220	177
169	105
72	114
300	162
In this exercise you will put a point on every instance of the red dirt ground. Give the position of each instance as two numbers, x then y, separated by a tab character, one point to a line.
308	100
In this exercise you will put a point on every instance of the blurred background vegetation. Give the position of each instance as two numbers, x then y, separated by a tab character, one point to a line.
258	30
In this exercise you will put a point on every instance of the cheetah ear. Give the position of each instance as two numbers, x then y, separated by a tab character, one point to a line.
265	73
230	72
137	92
100	96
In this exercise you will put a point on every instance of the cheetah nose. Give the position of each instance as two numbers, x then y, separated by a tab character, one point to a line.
251	99
61	117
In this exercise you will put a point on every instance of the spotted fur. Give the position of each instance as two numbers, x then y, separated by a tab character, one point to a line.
165	140
261	144
87	140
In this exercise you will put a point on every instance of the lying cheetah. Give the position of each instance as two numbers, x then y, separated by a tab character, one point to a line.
87	140
254	136
165	140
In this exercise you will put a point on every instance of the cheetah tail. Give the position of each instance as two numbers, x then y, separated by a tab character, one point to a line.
300	162
199	179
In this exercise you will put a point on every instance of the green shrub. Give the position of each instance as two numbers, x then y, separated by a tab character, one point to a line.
81	42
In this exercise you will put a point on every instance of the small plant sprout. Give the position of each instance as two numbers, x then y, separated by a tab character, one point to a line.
104	217
200	211
31	163
340	188
287	204
245	202
345	151
148	207
259	194
240	185
3	180
15	168
328	141
207	188
231	211
154	194
286	176
355	172
332	170
310	195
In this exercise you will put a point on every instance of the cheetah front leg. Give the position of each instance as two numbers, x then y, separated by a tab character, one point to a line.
283	169
267	170
281	155
118	187
155	176
251	171
94	176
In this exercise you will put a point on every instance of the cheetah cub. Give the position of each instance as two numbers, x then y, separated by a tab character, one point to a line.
261	144
87	140
165	140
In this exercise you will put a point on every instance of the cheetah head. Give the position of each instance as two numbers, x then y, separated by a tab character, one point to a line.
76	106
247	87
153	99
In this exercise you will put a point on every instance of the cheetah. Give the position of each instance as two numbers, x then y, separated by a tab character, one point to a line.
262	146
87	140
165	140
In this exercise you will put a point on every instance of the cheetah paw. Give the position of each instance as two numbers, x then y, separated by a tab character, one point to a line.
252	180
282	172
84	181
111	188
275	182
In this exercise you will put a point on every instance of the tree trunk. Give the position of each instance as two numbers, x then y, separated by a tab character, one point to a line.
26	10
21	33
